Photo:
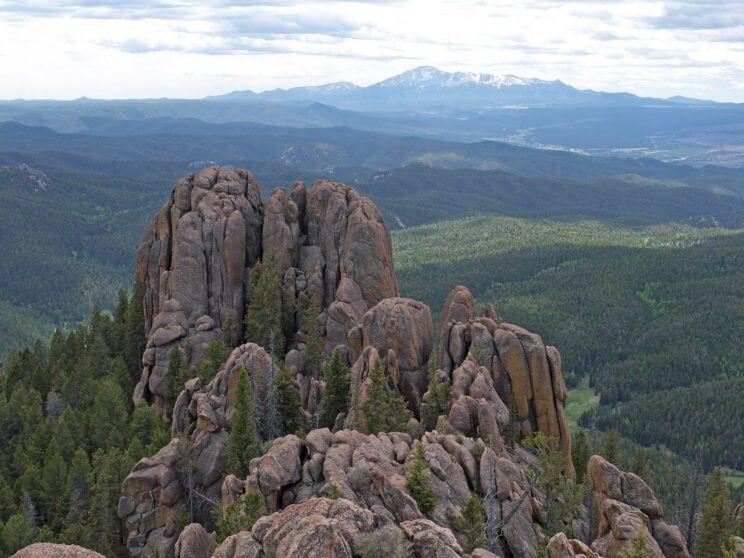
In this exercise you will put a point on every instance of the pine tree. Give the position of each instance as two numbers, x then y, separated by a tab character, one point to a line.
244	441
716	526
79	485
580	455
473	524
240	515
287	402
78	497
119	326
263	317
385	409
7	504
418	480
514	428
217	353
135	335
639	463
109	416
18	532
562	494
639	548
147	426
611	448
54	477
177	372
109	476
437	401
336	394
314	342
729	550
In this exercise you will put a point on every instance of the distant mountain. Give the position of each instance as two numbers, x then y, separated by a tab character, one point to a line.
451	106
427	88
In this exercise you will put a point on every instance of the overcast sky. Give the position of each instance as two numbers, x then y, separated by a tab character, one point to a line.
183	48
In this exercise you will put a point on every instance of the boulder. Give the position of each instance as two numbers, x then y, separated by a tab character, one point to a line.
404	326
626	508
194	542
49	550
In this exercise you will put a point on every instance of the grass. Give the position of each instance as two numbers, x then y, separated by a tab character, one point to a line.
735	478
580	400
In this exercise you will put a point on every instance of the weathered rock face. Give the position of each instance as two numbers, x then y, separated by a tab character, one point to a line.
626	508
369	471
194	542
330	242
401	330
489	360
157	490
49	550
193	262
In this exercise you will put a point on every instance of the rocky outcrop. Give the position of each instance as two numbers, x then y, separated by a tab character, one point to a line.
626	509
189	470
560	546
49	550
330	243
369	471
194	542
193	262
498	361
400	332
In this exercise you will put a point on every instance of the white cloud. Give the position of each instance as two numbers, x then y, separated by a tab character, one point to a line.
184	48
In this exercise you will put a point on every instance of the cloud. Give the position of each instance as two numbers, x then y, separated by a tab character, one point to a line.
699	15
190	48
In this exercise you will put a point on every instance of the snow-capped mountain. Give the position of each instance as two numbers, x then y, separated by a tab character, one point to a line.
427	88
429	76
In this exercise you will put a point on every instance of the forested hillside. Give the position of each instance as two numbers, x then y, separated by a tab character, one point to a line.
638	309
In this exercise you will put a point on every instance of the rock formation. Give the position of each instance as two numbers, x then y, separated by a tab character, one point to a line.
487	359
626	508
194	261
327	491
49	550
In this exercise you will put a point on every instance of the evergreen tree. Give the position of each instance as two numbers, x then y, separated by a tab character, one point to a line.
240	515
562	495
716	526
108	478
314	342
729	550
244	441
385	409
639	463
287	401
417	477
473	524
147	428
611	448
109	416
263	317
438	400
7	504
336	394
54	477
580	455
78	495
177	372
18	532
135	337
638	550
216	356
119	325
514	428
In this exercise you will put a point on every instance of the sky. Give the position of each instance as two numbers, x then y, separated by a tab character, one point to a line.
190	49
